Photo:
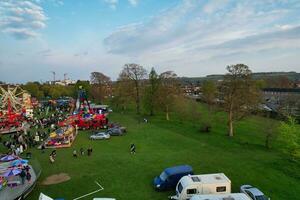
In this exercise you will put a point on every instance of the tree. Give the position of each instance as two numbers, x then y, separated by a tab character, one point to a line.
85	85
187	109
122	93
209	92
34	89
151	91
270	131
240	93
290	135
168	90
101	86
278	82
135	74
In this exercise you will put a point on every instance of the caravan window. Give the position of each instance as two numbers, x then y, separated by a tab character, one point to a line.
180	187
221	189
191	191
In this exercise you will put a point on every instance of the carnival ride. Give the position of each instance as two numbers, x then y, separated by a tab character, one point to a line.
15	106
11	186
83	116
62	137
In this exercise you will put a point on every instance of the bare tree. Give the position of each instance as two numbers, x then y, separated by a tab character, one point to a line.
101	85
134	73
240	93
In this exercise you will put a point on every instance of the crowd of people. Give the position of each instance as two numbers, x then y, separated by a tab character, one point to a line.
41	126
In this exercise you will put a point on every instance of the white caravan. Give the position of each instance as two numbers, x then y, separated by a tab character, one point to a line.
191	185
232	196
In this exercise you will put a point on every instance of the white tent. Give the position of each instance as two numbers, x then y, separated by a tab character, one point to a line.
44	197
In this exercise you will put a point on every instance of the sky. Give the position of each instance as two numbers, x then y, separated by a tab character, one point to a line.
190	37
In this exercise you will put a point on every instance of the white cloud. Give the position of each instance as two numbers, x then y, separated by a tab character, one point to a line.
194	33
21	19
20	33
214	5
112	3
133	2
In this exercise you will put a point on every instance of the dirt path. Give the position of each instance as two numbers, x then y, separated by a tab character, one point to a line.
56	178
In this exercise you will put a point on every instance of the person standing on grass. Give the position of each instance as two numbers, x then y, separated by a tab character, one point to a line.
132	148
82	151
43	147
89	150
74	153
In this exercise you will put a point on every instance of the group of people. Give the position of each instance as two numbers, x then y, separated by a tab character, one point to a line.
16	144
25	174
82	152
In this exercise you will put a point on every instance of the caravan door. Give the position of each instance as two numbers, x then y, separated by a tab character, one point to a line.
206	189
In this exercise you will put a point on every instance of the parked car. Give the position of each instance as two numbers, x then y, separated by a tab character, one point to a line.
253	192
100	136
116	131
169	178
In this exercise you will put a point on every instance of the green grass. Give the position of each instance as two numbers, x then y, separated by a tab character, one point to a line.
162	144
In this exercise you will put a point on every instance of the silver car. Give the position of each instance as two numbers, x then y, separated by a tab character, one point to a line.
253	192
100	136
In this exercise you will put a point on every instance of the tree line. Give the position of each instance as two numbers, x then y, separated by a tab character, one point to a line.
151	93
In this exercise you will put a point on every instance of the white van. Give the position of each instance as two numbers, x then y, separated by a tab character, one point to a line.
191	185
232	196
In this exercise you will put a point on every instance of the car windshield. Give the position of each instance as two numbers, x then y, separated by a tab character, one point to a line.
262	197
163	176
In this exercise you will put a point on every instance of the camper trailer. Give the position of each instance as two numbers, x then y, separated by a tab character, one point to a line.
191	185
233	196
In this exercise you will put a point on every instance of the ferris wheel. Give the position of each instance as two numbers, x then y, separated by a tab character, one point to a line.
11	99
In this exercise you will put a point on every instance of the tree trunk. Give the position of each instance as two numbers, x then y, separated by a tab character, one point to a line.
230	124
167	113
137	97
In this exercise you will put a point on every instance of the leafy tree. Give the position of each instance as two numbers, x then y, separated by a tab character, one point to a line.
240	94
151	92
290	135
85	85
209	92
270	131
187	109
134	73
168	90
122	94
34	89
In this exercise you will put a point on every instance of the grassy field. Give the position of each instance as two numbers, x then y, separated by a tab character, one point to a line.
161	144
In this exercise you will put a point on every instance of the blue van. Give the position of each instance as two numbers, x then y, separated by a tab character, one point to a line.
169	178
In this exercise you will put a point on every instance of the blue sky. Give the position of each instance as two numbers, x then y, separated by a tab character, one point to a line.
190	37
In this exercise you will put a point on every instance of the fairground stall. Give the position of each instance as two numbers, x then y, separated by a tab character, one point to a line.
62	137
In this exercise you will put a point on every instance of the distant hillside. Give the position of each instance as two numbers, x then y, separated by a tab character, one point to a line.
292	76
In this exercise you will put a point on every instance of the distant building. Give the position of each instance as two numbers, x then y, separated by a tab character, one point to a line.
283	100
62	82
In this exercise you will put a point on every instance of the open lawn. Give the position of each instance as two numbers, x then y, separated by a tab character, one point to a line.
161	144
